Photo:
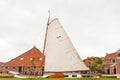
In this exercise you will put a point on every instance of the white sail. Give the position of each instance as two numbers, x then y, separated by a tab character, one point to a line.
60	53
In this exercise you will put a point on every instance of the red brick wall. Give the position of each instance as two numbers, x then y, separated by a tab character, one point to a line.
27	70
118	66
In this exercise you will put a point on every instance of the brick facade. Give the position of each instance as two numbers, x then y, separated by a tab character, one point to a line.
111	63
29	63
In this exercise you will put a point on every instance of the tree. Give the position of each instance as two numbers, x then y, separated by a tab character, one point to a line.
95	64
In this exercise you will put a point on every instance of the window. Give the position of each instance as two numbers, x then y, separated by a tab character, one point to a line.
113	61
36	73
74	75
32	59
0	72
21	58
34	67
65	75
118	54
40	58
6	67
13	67
31	73
25	73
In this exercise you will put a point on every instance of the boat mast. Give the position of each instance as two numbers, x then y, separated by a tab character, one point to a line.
45	39
46	33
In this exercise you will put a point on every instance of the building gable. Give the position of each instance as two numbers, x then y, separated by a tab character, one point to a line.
33	57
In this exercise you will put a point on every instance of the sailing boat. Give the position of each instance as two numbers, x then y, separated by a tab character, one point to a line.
61	56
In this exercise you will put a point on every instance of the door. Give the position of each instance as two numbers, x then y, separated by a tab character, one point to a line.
20	69
108	71
114	70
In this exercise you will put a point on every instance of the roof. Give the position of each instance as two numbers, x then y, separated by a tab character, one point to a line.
1	63
86	61
33	57
110	56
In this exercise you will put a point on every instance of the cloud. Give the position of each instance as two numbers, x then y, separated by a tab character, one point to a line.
4	44
92	25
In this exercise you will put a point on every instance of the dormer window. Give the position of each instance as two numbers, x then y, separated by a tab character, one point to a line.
40	58
32	59
21	58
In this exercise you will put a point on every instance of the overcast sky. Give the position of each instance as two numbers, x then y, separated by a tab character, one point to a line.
92	25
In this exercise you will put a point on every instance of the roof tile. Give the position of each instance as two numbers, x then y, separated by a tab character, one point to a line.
33	57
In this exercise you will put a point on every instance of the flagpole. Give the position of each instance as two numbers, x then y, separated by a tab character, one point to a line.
45	39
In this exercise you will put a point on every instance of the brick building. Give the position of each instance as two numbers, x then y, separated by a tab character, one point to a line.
88	62
28	63
111	63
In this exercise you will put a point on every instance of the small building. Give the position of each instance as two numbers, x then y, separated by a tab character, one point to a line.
111	63
88	62
28	63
